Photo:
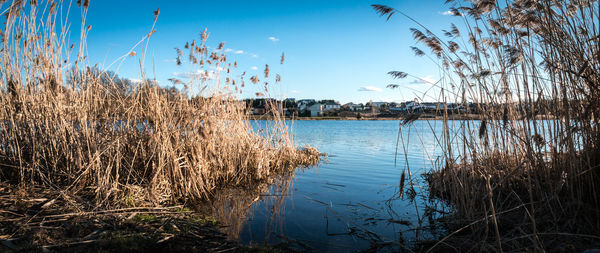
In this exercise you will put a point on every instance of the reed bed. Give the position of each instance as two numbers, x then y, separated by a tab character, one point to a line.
103	142
524	177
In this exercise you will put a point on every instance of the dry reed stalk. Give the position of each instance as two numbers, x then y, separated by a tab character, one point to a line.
530	69
494	217
84	131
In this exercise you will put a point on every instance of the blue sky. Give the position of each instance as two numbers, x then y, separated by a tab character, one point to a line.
335	49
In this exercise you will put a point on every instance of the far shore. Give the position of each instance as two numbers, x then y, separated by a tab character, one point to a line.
398	117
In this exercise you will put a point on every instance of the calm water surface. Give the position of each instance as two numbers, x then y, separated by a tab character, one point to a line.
351	199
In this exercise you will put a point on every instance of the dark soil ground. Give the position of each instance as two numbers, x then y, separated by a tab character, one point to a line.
39	220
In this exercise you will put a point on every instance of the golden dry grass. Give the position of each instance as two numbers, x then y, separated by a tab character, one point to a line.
91	136
514	181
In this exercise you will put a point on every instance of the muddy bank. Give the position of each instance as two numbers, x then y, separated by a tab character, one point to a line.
40	220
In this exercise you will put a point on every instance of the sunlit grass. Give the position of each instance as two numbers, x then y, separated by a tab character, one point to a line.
92	136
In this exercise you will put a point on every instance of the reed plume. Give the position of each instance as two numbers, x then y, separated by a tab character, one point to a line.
93	136
529	70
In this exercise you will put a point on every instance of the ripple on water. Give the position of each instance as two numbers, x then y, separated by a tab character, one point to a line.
330	207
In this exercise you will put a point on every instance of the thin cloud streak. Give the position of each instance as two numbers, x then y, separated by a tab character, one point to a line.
196	75
369	88
423	80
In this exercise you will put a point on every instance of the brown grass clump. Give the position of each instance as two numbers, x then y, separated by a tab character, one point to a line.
91	136
525	176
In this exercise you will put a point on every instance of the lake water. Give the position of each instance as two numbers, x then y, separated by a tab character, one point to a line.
350	200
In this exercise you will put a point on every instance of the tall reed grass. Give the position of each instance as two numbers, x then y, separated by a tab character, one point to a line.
525	176
78	130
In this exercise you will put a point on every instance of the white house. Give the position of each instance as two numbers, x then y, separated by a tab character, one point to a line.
354	107
303	104
456	107
398	109
378	104
430	106
412	106
331	106
316	110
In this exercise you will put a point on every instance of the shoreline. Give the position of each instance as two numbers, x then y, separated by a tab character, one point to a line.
399	117
376	118
37	220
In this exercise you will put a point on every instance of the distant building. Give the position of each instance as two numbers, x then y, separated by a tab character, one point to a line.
260	110
316	110
398	109
290	100
379	104
331	106
412	106
352	107
456	107
304	103
428	106
415	106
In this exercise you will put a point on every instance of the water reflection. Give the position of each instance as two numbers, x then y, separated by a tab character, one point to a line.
350	202
232	206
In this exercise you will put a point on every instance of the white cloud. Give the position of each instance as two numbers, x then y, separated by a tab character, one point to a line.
369	88
134	80
294	91
253	68
219	68
254	55
424	80
450	13
187	74
235	51
196	75
273	39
